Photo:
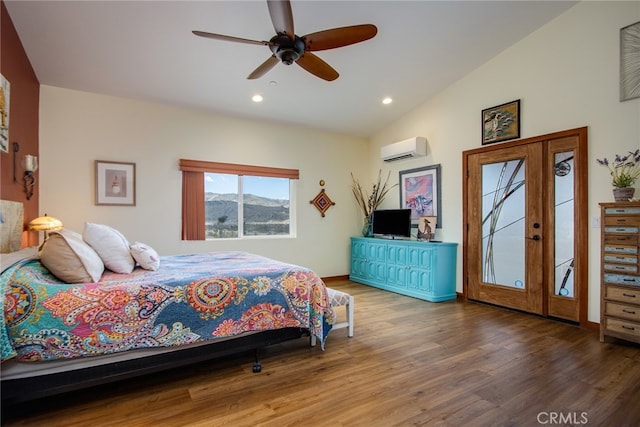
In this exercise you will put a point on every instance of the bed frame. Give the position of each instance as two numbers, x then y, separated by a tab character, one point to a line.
26	389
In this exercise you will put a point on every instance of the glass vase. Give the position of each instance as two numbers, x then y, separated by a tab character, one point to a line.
367	227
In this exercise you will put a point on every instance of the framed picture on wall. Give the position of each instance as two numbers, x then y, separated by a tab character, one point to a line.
115	183
630	62
5	94
420	192
501	123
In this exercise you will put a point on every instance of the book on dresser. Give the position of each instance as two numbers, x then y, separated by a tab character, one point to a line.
620	271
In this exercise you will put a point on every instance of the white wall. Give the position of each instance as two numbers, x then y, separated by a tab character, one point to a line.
77	128
566	75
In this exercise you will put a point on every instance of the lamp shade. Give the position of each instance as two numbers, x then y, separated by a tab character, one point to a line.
45	223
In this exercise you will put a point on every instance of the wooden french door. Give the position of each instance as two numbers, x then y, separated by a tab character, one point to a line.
525	222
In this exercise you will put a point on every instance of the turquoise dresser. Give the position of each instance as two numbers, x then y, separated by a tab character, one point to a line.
424	270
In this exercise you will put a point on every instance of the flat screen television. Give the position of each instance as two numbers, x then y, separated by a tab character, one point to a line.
392	223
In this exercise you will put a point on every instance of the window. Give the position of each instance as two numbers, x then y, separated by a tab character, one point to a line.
222	200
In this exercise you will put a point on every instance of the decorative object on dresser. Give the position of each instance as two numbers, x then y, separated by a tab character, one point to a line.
620	288
425	270
625	170
370	202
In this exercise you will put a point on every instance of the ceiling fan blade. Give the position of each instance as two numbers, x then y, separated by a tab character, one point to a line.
263	68
282	17
338	37
229	38
317	66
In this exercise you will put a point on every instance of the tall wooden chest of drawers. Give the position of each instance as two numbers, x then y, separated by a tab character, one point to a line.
620	266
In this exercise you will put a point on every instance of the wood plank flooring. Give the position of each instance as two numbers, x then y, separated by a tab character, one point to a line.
410	362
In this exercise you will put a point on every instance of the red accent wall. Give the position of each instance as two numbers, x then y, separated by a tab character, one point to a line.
23	120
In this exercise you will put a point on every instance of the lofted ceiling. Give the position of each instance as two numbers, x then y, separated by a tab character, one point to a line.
145	50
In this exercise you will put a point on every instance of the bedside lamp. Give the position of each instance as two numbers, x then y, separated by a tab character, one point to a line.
45	223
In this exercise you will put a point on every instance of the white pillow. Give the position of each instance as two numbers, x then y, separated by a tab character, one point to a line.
111	246
70	259
146	256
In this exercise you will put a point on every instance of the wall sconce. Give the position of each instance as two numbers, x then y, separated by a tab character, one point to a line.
30	165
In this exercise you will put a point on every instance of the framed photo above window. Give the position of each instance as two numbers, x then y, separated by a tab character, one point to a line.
115	183
420	192
501	123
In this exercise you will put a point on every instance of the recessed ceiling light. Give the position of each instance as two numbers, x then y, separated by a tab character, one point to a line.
387	100
256	98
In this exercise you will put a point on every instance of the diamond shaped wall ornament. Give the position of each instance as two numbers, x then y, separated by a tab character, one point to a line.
322	202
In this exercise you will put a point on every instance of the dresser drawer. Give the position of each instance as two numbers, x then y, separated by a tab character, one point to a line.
620	268
623	311
621	239
622	294
622	326
620	249
622	279
627	210
622	220
622	259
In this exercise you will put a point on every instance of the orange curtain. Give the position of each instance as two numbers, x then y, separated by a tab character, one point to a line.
193	206
234	169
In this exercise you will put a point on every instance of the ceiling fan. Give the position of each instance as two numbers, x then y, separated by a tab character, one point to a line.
288	48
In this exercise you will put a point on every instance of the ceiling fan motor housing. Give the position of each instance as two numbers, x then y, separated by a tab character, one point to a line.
286	50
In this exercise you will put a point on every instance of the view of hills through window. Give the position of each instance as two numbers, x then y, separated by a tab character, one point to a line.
265	206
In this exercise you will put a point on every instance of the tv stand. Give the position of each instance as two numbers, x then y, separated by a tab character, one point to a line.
424	270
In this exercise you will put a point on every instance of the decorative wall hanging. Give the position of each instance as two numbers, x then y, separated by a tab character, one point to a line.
630	62
322	201
420	192
115	183
501	123
4	113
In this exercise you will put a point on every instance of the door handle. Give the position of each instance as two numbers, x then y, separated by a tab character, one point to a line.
535	237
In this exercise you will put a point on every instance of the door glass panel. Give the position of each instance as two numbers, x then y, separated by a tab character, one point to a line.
564	212
503	214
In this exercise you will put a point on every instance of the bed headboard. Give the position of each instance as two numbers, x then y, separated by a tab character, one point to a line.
11	226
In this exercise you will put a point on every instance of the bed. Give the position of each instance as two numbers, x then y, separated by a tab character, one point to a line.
60	335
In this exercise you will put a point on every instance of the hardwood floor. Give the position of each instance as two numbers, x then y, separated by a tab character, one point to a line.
410	362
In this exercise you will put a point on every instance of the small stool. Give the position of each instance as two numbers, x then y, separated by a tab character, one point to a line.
338	299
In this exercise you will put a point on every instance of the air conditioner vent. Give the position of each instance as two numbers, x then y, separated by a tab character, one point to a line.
413	147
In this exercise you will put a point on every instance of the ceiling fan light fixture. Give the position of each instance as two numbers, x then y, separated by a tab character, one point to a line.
287	47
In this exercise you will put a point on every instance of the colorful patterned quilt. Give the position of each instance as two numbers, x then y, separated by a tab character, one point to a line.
190	298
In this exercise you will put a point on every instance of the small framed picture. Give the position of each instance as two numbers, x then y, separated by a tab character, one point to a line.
427	227
115	183
501	123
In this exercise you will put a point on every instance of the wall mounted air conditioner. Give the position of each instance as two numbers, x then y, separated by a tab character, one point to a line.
412	147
